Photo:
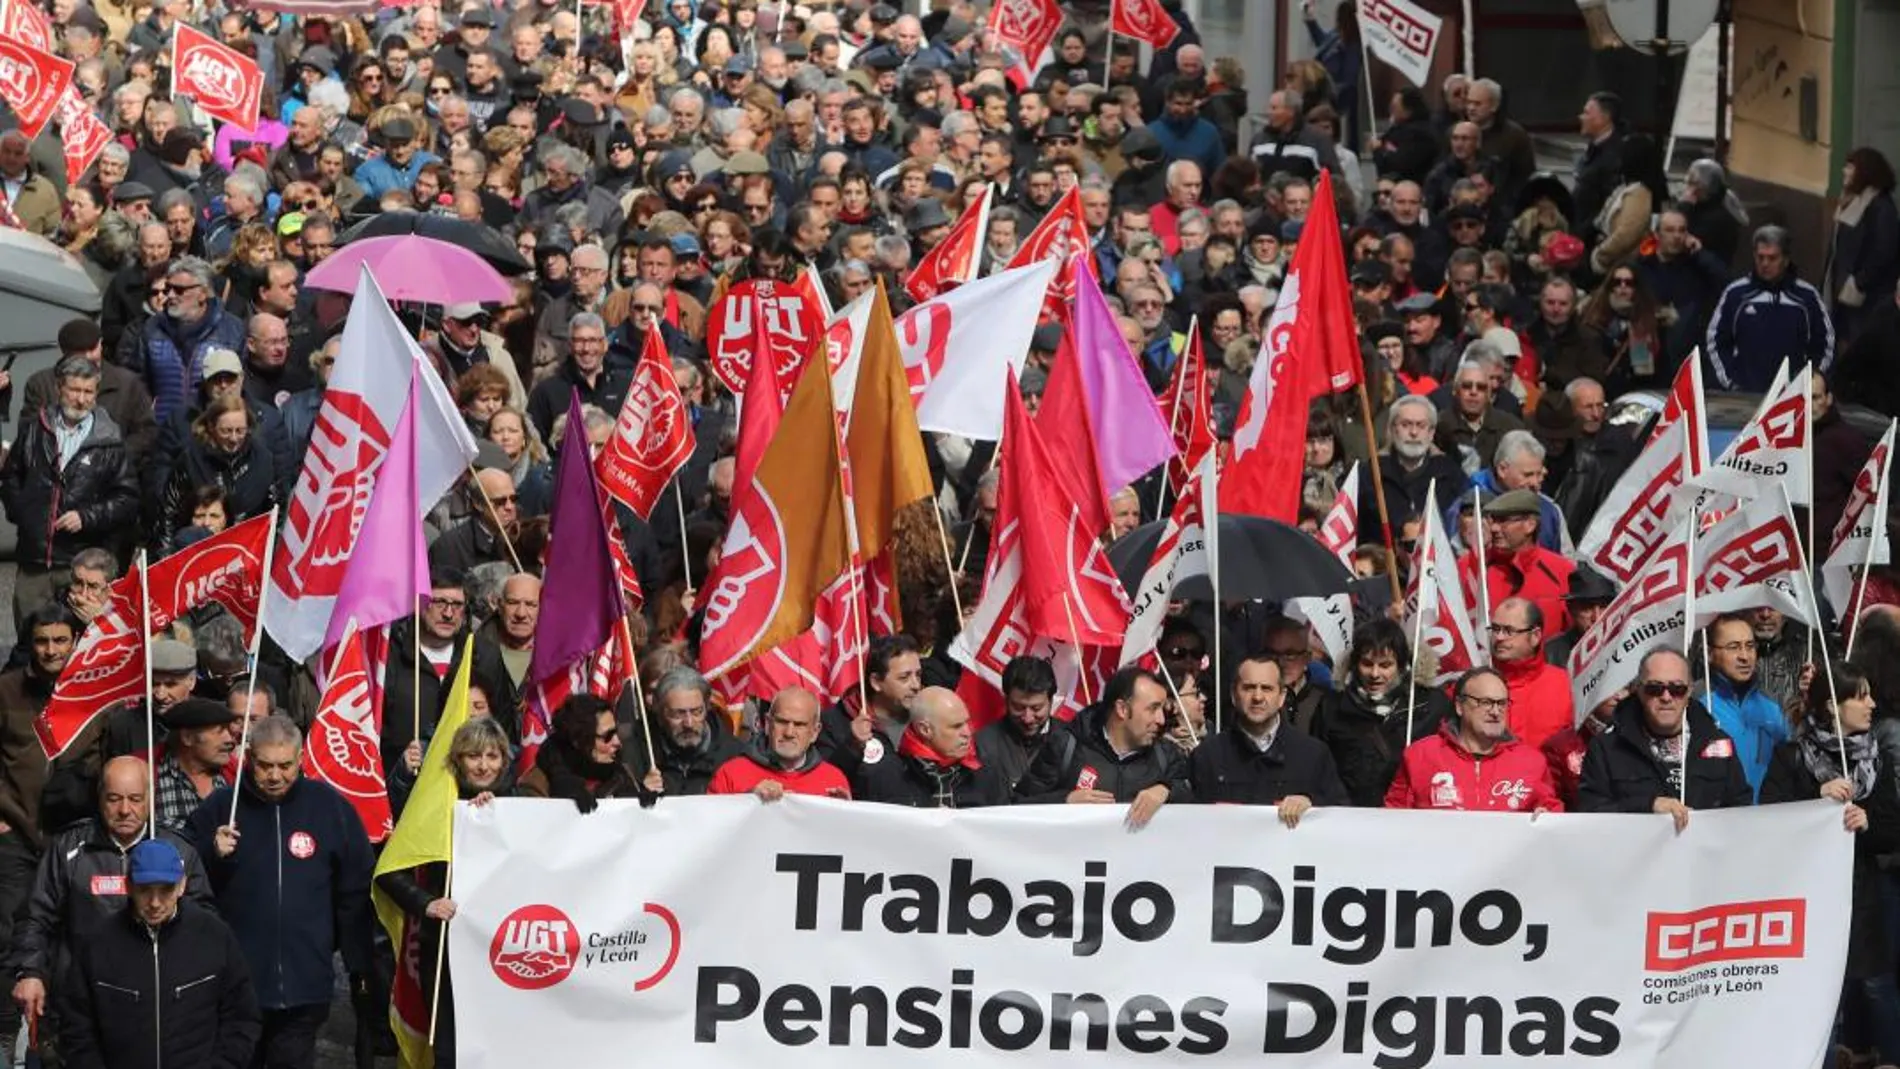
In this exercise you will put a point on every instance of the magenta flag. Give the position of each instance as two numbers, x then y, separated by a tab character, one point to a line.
580	596
1131	436
390	568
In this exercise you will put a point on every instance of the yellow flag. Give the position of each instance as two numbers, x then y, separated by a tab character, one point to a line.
888	467
423	836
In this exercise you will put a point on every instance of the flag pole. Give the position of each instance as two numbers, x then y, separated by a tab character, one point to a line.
1174	414
1075	643
415	674
1108	53
151	722
1807	455
1213	580
1689	630
639	698
1426	575
1484	569
507	543
1168	678
1814	601
1378	491
949	569
963	559
686	562
257	643
441	941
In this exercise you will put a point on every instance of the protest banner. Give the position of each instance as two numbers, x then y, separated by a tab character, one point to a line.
879	936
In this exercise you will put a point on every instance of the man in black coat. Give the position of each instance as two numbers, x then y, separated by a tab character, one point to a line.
1010	745
1656	736
689	733
164	983
893	676
935	766
1114	752
1410	465
1259	760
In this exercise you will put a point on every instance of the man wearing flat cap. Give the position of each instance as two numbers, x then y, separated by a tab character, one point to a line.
401	160
1515	566
199	743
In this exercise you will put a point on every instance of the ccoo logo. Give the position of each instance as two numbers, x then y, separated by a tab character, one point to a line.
1734	931
534	948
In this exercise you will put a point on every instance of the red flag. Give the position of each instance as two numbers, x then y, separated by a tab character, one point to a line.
954	260
1185	404
82	134
1028	26
791	316
1309	345
1068	432
1144	20
652	439
32	81
1069	590
108	665
1061	234
23	21
225	84
344	746
761	406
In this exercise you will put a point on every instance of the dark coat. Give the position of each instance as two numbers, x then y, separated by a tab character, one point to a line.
1229	769
98	483
400	688
1002	747
121	393
1083	746
1839	453
190	984
248	477
1405	492
79	886
1790	780
1366	743
175	440
1620	775
1599	171
898	778
548	400
296	890
1406	151
1869	253
685	771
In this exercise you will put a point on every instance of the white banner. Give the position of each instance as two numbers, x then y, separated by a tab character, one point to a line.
722	933
1401	33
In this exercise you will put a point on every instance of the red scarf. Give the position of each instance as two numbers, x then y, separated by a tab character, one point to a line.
911	745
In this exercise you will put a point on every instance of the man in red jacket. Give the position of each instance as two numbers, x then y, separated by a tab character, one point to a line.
1540	691
1515	566
1473	762
782	759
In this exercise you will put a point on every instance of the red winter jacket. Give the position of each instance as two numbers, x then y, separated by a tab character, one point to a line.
1540	698
1439	773
1533	573
744	772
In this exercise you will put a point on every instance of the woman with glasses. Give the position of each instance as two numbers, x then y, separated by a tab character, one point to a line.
1472	762
1632	324
581	762
370	88
224	451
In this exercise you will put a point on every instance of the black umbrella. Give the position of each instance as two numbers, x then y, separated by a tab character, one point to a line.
1260	559
476	238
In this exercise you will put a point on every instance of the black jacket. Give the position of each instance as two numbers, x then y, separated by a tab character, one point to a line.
249	478
1002	747
685	771
1790	780
400	688
139	999
1229	769
121	393
98	483
175	441
81	884
296	890
548	400
1079	752
897	778
1620	775
1367	743
1406	150
1405	492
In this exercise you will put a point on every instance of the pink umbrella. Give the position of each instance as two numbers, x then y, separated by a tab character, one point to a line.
413	268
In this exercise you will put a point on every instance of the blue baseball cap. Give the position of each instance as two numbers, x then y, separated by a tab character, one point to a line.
156	861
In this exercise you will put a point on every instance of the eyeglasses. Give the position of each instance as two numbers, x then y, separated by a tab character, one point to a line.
1486	705
445	604
1657	688
1290	656
647	309
499	500
310	205
371	76
439	90
1623	282
1507	631
1184	653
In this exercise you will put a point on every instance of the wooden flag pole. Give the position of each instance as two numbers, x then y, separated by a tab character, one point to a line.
639	698
963	559
1075	643
495	517
686	557
415	675
151	721
257	642
1814	600
949	569
1168	678
1484	569
1378	493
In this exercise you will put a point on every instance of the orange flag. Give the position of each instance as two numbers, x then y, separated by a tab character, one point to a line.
789	542
886	454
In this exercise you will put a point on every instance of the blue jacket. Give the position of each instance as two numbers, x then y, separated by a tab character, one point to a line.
295	891
1756	324
1196	140
379	176
1753	720
170	355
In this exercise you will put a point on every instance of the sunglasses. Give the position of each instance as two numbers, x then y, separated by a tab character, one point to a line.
1623	282
1656	689
607	736
439	90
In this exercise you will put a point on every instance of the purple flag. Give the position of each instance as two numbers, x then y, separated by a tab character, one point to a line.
1131	436
580	596
390	568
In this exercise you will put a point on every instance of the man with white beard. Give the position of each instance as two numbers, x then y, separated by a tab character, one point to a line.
1408	465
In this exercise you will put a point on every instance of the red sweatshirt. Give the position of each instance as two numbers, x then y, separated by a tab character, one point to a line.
1439	773
744	772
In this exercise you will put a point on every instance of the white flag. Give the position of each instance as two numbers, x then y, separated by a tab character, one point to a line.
1753	557
1331	617
362	403
959	347
1436	614
1182	553
1770	451
1644	506
1647	613
1402	34
1860	539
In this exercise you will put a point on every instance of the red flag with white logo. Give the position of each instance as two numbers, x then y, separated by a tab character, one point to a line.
32	81
108	665
1309	335
959	346
224	83
1027	27
789	316
652	439
23	21
955	259
1144	20
83	135
1188	410
1061	234
344	744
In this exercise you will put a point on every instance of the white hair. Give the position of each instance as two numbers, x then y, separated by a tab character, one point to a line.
1515	444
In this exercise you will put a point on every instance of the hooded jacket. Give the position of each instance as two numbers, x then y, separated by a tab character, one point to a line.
296	890
1621	774
1367	738
1749	716
814	775
1079	755
1438	772
142	998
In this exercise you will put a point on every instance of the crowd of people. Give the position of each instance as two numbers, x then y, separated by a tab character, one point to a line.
637	170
